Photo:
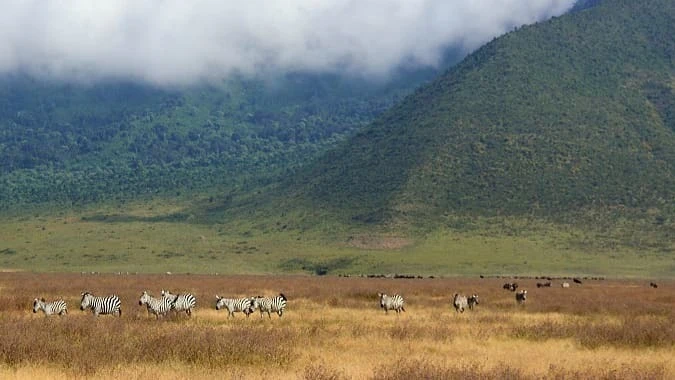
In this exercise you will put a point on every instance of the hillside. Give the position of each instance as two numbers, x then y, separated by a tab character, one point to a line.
568	116
82	143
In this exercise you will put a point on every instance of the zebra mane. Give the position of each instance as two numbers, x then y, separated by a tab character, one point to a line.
283	296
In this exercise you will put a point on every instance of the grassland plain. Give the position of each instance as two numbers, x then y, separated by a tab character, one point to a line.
334	329
183	237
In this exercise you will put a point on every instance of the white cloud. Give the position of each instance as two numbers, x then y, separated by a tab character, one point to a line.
178	41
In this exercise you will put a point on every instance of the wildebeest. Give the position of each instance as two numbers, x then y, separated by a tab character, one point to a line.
472	301
565	285
653	285
521	296
544	285
576	280
460	302
511	286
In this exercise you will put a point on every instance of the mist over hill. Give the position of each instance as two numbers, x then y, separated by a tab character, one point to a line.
565	116
110	102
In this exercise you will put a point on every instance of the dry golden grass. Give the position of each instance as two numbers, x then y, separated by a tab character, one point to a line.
334	329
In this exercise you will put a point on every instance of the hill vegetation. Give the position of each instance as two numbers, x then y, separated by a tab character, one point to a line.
86	143
550	150
560	119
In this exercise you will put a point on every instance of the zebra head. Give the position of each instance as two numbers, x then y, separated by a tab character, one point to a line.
86	299
220	302
38	304
145	298
167	294
473	299
382	297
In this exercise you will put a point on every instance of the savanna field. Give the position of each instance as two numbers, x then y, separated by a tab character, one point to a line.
333	328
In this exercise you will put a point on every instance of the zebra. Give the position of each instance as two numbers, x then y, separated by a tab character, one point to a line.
472	301
157	306
511	286
521	296
234	305
460	302
181	302
101	305
565	285
49	308
394	302
276	304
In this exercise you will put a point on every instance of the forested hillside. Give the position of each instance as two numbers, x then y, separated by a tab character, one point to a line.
81	143
570	115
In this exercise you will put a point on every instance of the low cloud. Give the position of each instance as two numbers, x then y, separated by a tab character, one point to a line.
169	42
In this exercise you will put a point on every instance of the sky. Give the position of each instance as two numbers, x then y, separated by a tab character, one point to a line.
174	42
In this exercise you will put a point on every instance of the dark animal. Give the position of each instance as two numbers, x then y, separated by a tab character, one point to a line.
653	285
544	285
472	301
511	286
521	296
577	280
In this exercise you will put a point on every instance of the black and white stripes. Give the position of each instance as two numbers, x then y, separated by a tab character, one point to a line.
101	305
181	302
157	306
234	305
50	308
275	304
394	302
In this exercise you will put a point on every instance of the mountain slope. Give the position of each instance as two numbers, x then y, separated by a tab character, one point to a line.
565	115
84	143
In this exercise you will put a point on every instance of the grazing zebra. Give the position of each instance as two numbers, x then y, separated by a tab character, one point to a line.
472	301
565	285
157	306
460	302
521	296
49	308
276	304
181	302
544	285
394	302
511	286
234	305
101	305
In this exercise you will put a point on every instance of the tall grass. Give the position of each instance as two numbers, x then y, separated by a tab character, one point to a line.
333	328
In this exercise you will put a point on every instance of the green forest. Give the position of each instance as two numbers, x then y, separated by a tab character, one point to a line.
88	143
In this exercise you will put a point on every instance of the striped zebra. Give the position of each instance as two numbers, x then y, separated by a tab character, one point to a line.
394	302
101	305
276	304
50	308
157	306
472	301
460	302
181	302
234	305
521	296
